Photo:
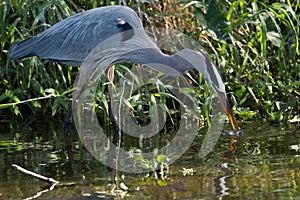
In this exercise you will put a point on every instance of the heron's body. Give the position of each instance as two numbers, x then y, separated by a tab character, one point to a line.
72	39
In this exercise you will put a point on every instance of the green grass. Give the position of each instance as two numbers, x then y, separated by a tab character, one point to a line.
31	83
255	45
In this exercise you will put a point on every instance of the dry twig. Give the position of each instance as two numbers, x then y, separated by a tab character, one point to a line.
44	178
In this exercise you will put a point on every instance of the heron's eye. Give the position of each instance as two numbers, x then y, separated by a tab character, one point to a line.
120	21
123	26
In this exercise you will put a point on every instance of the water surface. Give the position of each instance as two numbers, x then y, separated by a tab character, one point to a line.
265	165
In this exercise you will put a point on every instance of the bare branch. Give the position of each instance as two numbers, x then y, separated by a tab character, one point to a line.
44	178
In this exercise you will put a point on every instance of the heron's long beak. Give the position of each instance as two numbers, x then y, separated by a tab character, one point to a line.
225	103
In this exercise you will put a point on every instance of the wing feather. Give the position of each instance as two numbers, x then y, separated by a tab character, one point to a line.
72	39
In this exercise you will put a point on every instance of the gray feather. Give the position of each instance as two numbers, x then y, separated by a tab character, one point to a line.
72	39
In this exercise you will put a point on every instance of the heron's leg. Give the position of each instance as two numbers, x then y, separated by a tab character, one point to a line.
67	122
68	142
116	136
74	167
110	77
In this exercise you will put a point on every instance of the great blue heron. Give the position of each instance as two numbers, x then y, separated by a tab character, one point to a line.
71	40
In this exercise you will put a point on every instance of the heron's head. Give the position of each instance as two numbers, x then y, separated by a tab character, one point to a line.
202	63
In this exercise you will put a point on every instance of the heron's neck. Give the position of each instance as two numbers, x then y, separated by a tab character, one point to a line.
154	58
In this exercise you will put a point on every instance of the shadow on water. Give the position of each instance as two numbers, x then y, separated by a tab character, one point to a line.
262	164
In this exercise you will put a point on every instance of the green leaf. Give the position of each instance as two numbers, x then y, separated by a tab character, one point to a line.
36	85
162	182
274	38
36	104
161	158
252	93
138	158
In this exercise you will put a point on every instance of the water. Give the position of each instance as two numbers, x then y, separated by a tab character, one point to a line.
265	165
